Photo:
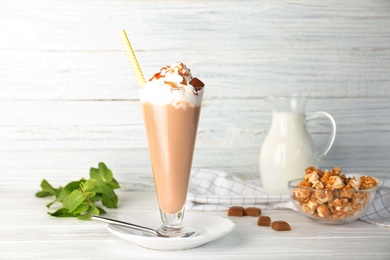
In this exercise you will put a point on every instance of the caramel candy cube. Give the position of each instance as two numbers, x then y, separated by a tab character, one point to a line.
280	226
264	221
236	211
252	211
197	84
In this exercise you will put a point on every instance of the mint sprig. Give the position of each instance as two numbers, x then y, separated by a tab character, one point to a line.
78	198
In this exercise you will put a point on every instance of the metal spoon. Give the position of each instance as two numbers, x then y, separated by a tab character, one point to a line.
136	227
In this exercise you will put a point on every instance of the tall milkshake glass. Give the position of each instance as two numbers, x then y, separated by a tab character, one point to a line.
171	103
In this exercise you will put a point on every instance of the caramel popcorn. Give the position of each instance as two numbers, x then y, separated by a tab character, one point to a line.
310	206
330	195
323	211
323	197
335	183
301	195
367	182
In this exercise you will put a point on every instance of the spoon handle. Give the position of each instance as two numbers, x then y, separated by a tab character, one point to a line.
124	224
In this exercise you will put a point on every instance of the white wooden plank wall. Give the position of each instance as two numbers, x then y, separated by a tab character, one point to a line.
68	98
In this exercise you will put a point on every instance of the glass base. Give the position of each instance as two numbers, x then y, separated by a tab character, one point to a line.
173	225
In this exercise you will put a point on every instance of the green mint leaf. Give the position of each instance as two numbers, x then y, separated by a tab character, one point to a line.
114	184
62	213
101	210
63	194
102	174
94	174
110	202
90	194
105	172
81	209
47	190
89	185
87	215
43	194
97	197
73	200
74	185
104	189
45	185
60	197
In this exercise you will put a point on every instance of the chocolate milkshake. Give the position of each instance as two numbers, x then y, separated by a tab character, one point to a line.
171	102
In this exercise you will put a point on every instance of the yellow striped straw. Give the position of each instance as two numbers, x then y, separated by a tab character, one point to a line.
132	59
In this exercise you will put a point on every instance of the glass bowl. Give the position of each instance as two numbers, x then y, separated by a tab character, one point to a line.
330	206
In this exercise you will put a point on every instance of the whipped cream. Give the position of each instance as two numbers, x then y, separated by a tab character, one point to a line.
172	86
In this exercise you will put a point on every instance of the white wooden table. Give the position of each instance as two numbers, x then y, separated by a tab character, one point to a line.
27	232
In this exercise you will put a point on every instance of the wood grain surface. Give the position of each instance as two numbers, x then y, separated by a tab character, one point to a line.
68	99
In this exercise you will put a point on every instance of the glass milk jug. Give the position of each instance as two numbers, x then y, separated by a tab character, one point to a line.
288	148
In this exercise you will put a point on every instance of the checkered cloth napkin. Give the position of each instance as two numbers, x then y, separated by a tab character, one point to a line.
214	190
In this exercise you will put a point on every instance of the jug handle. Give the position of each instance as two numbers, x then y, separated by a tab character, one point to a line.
333	134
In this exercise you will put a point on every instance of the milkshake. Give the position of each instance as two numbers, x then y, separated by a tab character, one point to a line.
171	102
